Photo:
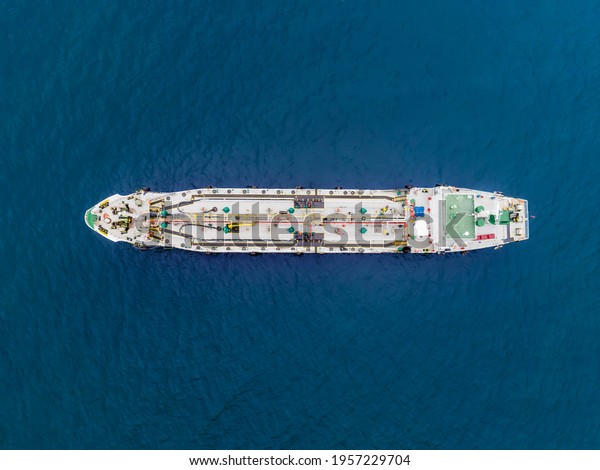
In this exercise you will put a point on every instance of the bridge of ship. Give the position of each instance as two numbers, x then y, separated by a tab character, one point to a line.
477	219
304	220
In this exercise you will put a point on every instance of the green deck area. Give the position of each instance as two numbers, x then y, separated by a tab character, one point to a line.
90	218
504	218
460	221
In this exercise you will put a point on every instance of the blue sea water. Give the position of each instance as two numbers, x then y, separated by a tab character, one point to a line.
102	346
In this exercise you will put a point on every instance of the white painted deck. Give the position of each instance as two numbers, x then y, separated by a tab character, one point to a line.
309	220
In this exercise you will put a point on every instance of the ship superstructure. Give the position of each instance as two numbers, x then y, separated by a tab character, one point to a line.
304	220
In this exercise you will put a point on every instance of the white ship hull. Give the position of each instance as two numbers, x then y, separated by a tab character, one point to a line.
256	220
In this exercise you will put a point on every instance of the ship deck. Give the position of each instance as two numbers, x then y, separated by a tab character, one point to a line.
421	220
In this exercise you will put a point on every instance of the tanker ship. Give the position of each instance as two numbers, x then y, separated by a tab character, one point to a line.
442	219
